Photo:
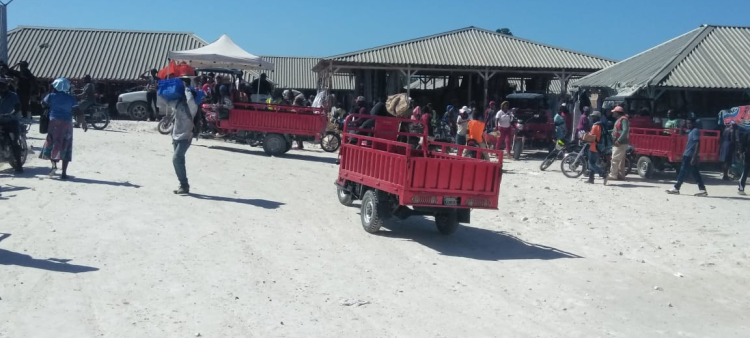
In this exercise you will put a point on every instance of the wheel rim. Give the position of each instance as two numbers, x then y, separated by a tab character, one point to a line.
275	144
643	168
139	112
329	142
369	210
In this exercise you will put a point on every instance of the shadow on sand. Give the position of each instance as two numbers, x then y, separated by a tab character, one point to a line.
51	264
289	155
471	242
265	204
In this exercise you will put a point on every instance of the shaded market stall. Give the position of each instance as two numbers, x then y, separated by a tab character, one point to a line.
470	64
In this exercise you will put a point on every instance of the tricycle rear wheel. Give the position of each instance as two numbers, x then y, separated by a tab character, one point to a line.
371	212
446	222
274	144
345	197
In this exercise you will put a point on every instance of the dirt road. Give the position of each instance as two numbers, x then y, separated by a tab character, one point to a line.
264	249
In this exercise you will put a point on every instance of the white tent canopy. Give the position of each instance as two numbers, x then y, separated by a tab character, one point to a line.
222	53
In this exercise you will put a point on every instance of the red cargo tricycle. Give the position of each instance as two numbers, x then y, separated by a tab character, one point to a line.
660	149
397	173
271	126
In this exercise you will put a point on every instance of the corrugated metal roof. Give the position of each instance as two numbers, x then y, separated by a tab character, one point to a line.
104	54
713	57
638	70
721	60
475	47
297	73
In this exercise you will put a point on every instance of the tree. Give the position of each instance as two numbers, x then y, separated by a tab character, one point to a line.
504	31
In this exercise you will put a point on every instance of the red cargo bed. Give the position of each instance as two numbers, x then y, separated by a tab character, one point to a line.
419	177
304	121
670	144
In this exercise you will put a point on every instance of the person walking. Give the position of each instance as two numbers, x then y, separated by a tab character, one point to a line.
729	141
690	161
584	123
462	125
559	120
59	143
594	137
26	84
744	146
9	108
185	110
151	87
503	120
621	136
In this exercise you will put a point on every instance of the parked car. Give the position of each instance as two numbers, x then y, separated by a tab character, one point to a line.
135	105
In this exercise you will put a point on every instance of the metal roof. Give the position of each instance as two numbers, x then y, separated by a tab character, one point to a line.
712	57
297	73
478	48
104	54
721	59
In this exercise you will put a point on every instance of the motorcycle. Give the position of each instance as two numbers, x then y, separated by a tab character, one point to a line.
520	136
166	124
576	164
97	116
331	141
6	141
560	151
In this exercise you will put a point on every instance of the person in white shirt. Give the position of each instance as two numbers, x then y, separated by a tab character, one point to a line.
503	119
462	125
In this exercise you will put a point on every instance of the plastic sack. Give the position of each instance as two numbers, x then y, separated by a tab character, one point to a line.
171	89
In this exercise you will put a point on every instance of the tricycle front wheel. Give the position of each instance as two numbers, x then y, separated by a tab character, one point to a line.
446	222
345	197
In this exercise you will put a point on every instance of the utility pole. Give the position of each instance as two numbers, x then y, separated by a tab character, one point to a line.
4	30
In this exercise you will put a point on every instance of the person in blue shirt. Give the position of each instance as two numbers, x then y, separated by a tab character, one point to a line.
9	109
690	161
559	120
59	143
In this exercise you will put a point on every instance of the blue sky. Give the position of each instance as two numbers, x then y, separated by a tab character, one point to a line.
612	29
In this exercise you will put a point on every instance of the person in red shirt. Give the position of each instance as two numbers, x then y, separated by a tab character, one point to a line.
594	137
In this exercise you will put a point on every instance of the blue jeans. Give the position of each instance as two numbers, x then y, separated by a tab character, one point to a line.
178	160
461	140
593	168
687	167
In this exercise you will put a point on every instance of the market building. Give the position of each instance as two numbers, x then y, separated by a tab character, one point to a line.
702	71
469	64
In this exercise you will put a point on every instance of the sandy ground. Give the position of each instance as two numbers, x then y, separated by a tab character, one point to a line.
264	249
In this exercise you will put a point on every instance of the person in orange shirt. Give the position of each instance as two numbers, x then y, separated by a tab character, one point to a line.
476	134
593	137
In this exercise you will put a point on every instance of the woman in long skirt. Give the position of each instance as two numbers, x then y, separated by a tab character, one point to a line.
59	143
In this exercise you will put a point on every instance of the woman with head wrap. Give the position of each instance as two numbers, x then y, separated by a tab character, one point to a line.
59	143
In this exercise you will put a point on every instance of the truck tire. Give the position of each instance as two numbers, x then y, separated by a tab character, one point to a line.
371	212
345	197
274	144
138	111
446	222
645	167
